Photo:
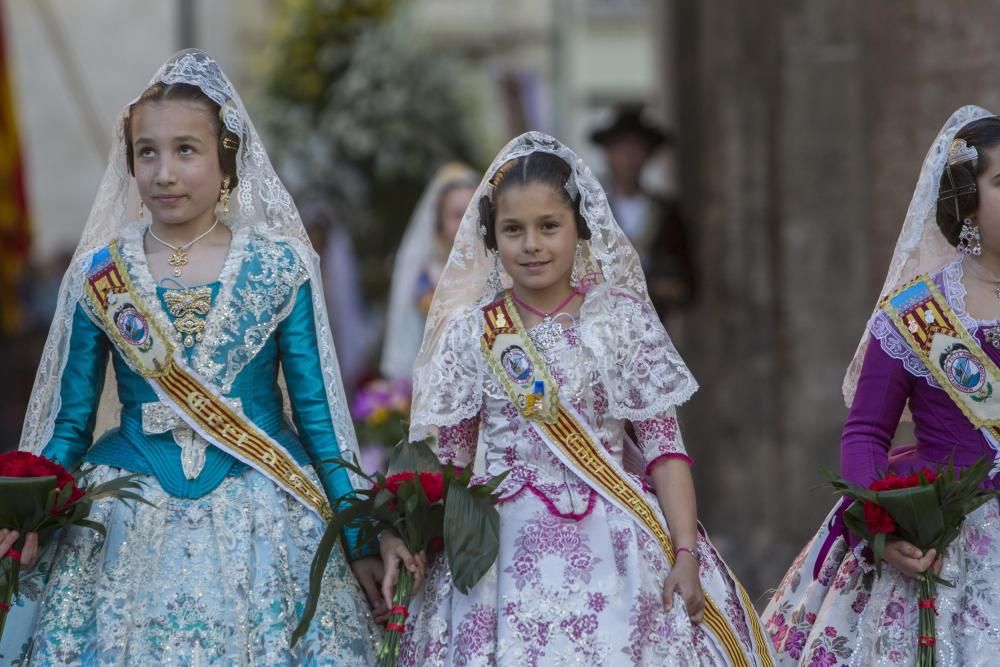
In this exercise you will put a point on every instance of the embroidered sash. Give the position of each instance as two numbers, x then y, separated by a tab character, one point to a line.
961	367
137	337
569	438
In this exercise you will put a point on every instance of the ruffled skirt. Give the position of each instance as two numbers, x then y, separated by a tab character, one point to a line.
214	580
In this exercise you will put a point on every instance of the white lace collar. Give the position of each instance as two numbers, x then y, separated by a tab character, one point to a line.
133	252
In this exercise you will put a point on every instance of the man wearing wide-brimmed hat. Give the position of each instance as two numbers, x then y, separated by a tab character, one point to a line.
653	223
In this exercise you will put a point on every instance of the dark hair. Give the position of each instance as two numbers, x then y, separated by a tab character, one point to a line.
229	143
951	211
540	167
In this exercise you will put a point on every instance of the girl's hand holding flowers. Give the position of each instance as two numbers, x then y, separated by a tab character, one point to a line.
29	554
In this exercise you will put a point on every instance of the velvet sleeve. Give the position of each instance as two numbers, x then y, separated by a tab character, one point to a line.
883	389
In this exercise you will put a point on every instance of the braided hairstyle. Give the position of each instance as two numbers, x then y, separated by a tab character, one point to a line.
536	168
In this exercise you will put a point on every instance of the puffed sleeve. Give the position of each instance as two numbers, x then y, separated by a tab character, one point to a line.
300	363
79	391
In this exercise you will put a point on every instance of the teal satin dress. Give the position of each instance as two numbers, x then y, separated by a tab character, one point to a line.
216	570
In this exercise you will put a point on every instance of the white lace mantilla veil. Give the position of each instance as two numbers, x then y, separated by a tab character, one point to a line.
608	257
261	204
405	323
921	247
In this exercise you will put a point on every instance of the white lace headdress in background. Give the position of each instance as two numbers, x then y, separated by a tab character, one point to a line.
609	257
921	247
404	322
261	204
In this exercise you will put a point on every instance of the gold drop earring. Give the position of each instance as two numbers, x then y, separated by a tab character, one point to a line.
142	209
224	195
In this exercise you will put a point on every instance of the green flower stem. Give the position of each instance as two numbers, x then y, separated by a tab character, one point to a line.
927	591
388	649
11	570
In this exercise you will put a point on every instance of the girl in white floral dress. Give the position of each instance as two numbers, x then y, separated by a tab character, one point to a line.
540	345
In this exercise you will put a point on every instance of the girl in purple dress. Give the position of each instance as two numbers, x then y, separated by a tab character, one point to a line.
831	608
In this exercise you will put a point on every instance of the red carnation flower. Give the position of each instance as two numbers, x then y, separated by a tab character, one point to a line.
26	464
433	485
894	482
393	483
878	520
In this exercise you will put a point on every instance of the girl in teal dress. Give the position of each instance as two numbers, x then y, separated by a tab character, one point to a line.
215	568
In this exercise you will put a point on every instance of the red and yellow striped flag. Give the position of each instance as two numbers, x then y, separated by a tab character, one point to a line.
15	226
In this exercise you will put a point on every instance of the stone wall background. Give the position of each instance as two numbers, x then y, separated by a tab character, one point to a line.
802	125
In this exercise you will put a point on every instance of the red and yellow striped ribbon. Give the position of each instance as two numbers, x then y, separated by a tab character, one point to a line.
201	407
588	460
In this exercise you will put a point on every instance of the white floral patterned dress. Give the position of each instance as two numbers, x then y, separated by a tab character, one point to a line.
576	580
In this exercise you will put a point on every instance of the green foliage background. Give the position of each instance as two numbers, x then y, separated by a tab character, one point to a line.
360	110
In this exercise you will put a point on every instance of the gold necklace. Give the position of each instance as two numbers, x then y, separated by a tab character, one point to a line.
179	257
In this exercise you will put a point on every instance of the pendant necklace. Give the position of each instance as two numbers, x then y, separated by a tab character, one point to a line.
548	332
179	258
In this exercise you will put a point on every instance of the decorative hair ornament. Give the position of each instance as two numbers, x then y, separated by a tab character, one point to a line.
230	144
959	151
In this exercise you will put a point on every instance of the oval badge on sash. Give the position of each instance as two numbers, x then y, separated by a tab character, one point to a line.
517	364
132	325
964	372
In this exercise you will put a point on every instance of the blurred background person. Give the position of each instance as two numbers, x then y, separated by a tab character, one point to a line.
419	262
652	222
354	327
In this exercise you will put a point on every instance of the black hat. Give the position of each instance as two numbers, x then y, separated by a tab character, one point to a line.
629	120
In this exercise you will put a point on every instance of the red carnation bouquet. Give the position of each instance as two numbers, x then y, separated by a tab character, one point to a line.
926	509
38	496
432	507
